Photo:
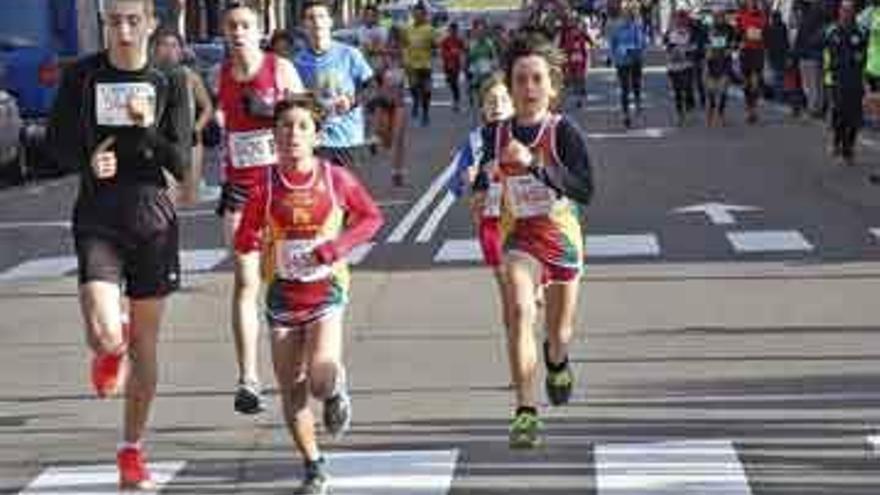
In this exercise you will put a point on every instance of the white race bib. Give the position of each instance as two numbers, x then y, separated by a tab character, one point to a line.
111	102
252	148
483	66
718	42
492	208
294	260
529	197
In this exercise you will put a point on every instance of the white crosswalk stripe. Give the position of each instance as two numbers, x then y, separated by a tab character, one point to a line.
93	479
876	233
596	246
52	266
670	468
768	241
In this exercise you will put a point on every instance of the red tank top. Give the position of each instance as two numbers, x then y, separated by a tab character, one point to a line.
250	145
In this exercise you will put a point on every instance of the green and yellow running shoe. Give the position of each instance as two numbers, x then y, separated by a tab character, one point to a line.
559	381
525	431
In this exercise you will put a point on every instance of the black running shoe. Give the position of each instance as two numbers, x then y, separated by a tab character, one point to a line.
315	481
248	398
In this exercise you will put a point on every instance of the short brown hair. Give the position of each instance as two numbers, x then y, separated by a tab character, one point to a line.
536	44
149	5
493	81
306	101
309	4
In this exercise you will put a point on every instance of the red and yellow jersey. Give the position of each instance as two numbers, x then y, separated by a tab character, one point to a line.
535	218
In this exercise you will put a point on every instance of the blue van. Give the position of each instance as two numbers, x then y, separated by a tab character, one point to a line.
34	36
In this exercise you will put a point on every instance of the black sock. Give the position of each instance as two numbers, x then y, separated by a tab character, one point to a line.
551	366
526	410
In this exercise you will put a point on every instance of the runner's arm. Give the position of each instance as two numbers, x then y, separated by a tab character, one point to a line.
487	157
248	236
288	78
573	177
64	140
171	142
203	101
363	217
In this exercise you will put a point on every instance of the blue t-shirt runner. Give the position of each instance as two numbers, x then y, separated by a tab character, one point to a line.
341	70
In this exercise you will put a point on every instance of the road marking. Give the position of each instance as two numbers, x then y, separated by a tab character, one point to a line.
646	133
596	246
619	246
604	71
605	108
202	260
410	472
51	266
670	468
718	213
876	233
407	222
458	250
94	479
435	218
63	224
357	255
768	241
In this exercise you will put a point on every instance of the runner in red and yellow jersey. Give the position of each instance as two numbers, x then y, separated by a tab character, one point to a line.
540	161
306	218
251	82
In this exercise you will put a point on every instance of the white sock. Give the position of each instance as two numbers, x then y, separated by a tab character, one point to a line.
129	445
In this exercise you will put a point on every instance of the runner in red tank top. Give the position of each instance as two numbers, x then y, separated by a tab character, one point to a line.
251	82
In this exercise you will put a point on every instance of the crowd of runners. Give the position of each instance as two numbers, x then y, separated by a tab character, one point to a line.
295	127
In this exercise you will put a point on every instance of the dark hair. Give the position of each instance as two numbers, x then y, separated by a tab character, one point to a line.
530	44
239	4
308	4
305	101
167	32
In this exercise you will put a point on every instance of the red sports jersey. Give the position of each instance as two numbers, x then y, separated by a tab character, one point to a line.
451	51
247	110
751	25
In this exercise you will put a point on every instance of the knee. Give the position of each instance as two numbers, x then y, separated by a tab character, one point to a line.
519	311
322	379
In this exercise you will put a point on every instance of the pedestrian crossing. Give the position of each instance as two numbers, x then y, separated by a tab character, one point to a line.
672	466
640	246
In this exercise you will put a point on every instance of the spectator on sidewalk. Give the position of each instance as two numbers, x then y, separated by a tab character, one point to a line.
847	45
808	46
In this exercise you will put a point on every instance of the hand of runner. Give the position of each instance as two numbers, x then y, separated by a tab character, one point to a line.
477	205
141	111
103	160
516	153
342	104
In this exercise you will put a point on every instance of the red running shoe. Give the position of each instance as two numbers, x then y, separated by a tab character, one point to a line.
106	368
133	473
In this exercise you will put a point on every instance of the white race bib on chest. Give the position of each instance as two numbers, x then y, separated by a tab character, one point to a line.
252	148
112	99
294	260
529	197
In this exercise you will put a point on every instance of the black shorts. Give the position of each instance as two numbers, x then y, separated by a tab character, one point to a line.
351	157
139	246
751	62
422	79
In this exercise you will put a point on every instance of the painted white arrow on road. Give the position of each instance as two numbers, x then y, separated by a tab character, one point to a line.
718	213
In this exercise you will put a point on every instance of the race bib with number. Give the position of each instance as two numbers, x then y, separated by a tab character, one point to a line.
529	197
492	208
294	260
483	66
112	99
252	148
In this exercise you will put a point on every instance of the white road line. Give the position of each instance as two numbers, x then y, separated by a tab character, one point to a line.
93	479
670	468
619	246
596	246
458	250
409	472
646	133
876	233
52	266
357	255
62	224
435	218
768	241
651	69
202	260
604	108
873	444
407	222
